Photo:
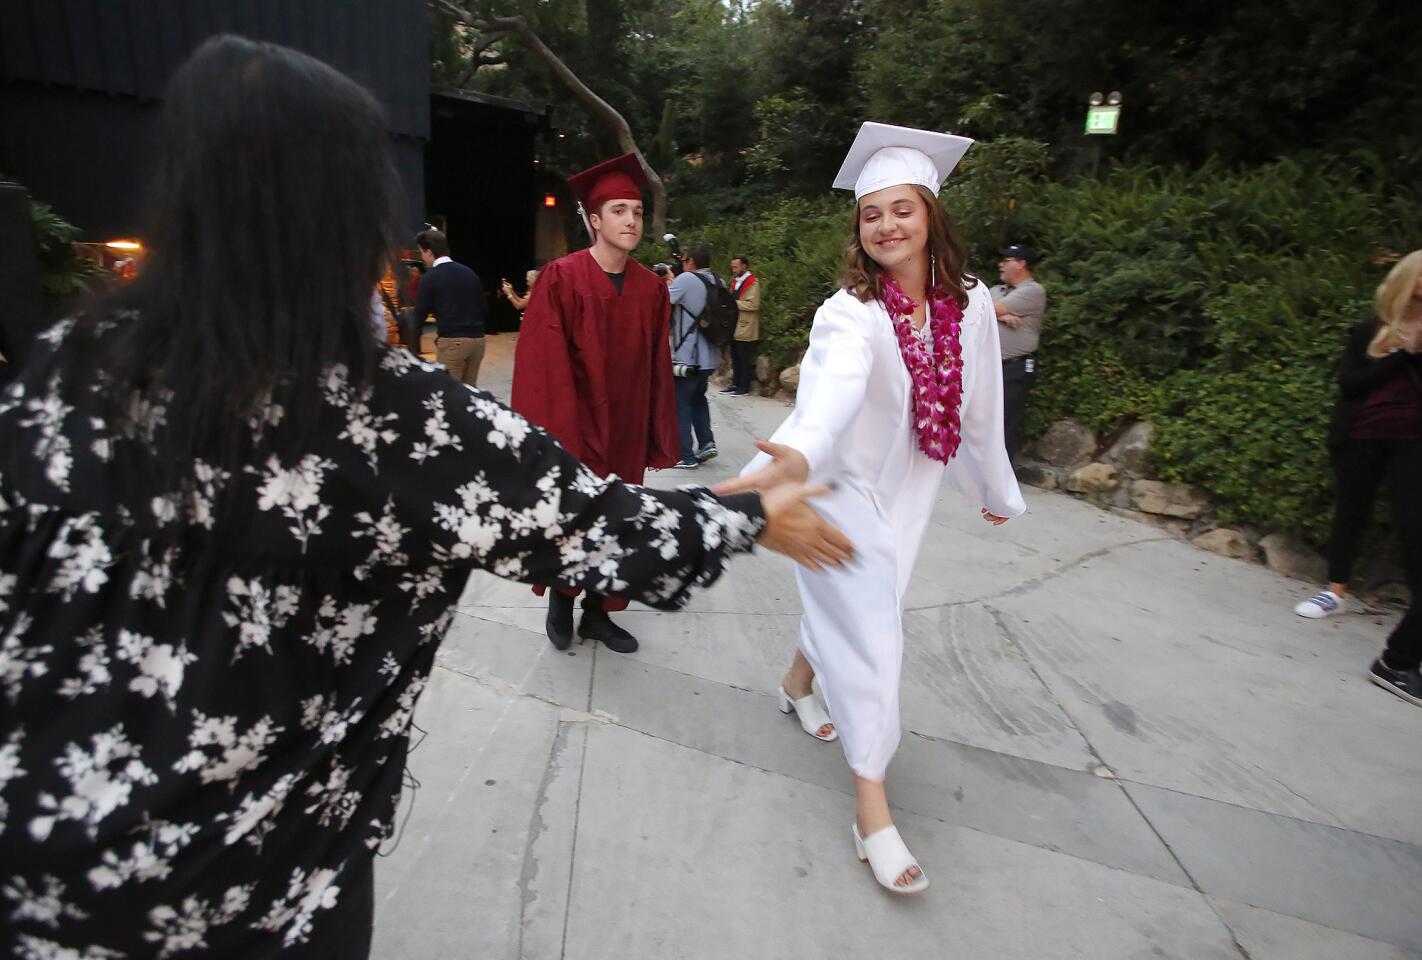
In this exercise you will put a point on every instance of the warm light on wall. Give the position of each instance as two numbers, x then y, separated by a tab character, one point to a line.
549	200
124	245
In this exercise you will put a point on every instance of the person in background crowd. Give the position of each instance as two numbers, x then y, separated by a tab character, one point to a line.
1376	433
901	387
1019	302
520	302
746	288
694	356
392	313
592	369
227	563
453	293
411	290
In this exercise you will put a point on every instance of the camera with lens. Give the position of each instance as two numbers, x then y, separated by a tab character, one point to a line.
674	246
682	370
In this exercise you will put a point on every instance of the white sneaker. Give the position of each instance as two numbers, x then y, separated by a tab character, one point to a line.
1324	603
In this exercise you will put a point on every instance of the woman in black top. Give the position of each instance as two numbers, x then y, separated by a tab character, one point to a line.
1377	432
232	530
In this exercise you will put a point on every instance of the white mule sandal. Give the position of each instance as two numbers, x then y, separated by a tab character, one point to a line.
812	716
889	858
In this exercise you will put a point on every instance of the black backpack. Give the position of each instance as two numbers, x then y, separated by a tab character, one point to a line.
718	321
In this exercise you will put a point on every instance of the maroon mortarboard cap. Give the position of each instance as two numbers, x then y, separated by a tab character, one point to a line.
618	179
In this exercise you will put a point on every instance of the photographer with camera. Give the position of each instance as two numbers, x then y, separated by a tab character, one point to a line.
693	355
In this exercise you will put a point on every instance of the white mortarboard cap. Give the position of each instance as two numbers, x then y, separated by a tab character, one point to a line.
886	156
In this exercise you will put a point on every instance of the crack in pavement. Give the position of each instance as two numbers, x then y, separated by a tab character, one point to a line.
1037	581
507	688
1010	638
536	828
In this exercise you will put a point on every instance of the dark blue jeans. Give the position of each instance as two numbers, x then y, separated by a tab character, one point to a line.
693	414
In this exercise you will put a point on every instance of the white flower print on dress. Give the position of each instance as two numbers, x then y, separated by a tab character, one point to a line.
84	558
93	667
57	331
186	928
398	722
388	533
218	752
305	894
266	414
437	428
425	583
47	415
160	665
339	627
7	587
297	494
663	523
257	611
20	658
473	521
255	817
154	577
145	416
335	802
101	779
364	427
506	428
46	907
319	713
38	948
10	769
149	858
207	483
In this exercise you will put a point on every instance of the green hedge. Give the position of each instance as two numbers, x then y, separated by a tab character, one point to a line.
1211	302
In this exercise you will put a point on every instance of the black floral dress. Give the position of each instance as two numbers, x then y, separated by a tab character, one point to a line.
202	737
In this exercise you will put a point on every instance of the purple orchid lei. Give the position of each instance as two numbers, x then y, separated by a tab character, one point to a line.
936	372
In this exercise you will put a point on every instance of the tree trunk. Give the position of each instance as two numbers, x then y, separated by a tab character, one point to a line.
597	106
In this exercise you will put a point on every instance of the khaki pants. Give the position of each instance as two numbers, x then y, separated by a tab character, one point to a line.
461	356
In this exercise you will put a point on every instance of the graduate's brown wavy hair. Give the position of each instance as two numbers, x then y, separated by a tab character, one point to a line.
861	275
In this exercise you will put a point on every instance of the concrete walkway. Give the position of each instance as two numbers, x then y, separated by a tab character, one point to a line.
1116	746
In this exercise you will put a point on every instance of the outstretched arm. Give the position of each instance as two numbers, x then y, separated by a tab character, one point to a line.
504	496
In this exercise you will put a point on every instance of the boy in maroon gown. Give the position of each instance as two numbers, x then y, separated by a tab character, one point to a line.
593	365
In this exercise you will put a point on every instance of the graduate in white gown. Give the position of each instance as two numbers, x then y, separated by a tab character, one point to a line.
902	384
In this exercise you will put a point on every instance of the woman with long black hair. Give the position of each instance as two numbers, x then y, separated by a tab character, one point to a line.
232	530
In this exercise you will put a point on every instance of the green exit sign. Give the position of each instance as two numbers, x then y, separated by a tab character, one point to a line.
1102	119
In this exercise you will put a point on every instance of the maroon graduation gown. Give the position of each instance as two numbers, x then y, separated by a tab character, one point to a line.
593	367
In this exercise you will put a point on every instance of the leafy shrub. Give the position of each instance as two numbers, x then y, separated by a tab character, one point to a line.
63	273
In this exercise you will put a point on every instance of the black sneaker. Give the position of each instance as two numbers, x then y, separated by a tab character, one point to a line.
685	465
597	625
560	620
1407	684
707	452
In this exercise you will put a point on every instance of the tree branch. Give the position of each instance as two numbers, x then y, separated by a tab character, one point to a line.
493	29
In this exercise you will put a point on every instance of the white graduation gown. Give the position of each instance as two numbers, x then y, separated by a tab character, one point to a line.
853	421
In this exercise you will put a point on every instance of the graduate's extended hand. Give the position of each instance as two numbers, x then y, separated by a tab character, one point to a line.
792	527
993	518
787	465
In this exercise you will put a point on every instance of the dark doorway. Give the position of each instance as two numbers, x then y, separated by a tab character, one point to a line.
481	186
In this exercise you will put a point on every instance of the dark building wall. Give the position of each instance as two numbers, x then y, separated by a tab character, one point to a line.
80	82
132	47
